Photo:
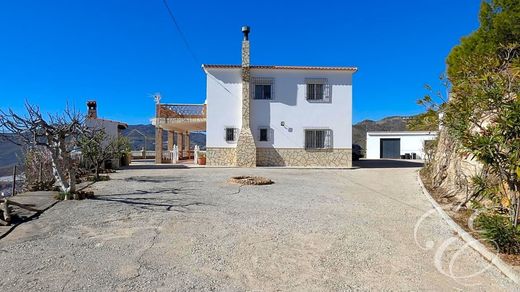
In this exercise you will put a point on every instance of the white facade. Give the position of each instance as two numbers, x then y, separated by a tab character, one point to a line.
111	128
288	106
409	141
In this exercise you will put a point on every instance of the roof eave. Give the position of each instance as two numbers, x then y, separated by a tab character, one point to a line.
275	67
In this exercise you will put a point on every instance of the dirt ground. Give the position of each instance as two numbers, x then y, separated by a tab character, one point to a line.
165	229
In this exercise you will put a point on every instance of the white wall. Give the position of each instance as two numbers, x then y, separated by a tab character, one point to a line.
288	105
410	142
224	105
110	127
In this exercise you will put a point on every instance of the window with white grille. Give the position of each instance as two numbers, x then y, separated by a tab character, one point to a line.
231	134
317	90
318	139
262	88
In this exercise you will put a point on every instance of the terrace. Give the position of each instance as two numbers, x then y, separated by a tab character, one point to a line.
179	120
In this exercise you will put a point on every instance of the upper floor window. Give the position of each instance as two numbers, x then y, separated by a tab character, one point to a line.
262	88
314	91
262	91
318	139
318	90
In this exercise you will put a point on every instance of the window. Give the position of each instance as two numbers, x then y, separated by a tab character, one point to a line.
231	134
264	137
262	88
262	91
315	91
318	90
318	139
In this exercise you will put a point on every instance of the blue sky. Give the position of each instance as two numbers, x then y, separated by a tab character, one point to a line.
120	52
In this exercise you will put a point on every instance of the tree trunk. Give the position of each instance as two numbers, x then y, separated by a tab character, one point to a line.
97	172
72	179
58	174
517	209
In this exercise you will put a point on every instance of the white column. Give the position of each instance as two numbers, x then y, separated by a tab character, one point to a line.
196	154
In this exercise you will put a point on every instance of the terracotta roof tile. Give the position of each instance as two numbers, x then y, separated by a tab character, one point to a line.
333	68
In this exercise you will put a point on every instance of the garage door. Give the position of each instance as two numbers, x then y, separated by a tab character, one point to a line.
390	148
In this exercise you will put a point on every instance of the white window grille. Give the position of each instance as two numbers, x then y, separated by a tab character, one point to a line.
231	134
318	90
262	88
318	139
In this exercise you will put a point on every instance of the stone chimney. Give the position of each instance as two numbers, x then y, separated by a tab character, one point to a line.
246	149
92	109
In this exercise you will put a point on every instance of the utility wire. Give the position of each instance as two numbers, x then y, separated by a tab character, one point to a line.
183	37
188	47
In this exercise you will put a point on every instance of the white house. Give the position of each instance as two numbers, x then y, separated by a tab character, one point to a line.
395	144
112	128
278	115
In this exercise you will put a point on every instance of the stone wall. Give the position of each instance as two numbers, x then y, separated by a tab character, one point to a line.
303	158
450	171
246	149
220	156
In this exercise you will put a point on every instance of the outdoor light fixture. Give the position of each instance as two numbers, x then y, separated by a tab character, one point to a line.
282	124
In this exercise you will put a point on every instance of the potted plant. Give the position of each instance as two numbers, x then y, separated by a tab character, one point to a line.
202	159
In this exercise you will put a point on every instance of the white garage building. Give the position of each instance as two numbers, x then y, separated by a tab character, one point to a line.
395	144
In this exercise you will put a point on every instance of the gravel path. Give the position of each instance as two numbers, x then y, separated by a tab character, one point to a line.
182	229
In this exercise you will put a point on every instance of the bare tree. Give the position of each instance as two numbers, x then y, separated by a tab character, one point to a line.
97	147
58	133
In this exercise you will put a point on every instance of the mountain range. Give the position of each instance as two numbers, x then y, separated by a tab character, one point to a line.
393	123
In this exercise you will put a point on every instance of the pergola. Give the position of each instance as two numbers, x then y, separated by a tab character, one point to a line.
180	120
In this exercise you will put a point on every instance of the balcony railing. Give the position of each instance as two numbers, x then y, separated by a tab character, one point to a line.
182	111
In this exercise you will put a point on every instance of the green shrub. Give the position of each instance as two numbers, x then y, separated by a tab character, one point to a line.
61	196
499	230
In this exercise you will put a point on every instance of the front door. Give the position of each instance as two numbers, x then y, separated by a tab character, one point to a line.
390	148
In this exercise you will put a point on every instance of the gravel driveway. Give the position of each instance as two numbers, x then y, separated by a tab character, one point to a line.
181	229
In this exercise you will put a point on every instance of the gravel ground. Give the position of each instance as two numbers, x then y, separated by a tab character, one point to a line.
189	229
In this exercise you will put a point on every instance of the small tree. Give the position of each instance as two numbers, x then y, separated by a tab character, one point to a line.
97	147
58	133
433	104
38	169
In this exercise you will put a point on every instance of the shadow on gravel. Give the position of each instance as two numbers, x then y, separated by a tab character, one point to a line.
156	166
158	179
173	191
148	203
387	163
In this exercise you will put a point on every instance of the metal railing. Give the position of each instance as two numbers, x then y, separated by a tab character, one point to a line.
184	110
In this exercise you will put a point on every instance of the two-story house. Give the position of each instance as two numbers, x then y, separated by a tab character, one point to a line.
278	115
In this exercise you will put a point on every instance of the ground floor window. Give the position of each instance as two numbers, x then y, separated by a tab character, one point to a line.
231	134
318	139
264	135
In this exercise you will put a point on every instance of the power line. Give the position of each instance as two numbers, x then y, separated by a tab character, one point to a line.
188	47
183	37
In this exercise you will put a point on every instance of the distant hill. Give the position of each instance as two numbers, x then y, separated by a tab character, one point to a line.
137	140
359	130
10	155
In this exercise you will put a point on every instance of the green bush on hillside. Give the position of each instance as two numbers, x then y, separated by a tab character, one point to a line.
499	230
